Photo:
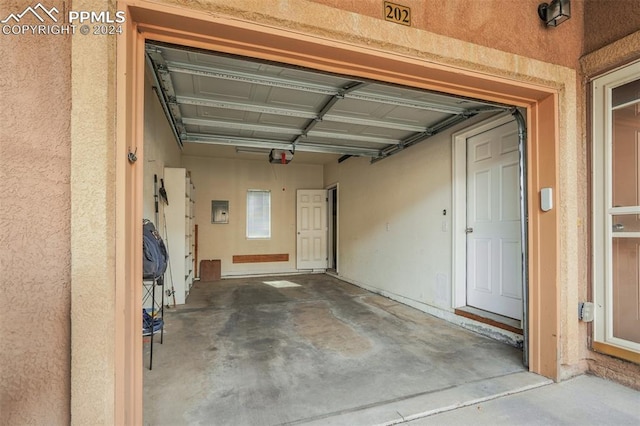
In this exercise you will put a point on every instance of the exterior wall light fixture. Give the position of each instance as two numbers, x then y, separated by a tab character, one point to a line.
555	13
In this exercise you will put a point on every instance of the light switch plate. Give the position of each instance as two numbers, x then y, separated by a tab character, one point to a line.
546	199
585	311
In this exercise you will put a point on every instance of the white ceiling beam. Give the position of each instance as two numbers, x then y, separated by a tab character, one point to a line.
240	106
250	78
241	125
274	144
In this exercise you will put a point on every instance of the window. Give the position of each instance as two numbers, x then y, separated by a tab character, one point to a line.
258	214
616	211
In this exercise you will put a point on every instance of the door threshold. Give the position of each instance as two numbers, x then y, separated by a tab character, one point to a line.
490	318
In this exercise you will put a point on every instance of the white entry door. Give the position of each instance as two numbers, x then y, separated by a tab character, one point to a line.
494	258
312	229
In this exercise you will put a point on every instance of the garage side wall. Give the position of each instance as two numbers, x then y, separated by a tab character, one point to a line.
395	222
229	179
160	150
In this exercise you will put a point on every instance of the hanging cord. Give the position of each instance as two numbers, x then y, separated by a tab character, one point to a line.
155	198
157	223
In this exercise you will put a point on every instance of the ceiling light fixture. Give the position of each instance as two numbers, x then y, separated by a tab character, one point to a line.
555	12
250	150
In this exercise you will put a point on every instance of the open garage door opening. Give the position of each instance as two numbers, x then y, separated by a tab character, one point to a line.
423	177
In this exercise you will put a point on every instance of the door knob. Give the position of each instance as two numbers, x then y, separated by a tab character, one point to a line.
468	230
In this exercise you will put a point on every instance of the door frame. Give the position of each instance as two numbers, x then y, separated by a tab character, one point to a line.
333	230
521	194
459	205
547	91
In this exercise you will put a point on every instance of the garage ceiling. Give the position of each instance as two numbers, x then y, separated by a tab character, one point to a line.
251	105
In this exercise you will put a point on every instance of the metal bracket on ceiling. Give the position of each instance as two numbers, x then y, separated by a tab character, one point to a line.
326	108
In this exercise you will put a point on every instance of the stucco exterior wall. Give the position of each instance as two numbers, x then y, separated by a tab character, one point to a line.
510	26
608	21
93	231
34	226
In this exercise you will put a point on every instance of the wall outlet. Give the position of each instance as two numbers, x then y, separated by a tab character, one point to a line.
585	311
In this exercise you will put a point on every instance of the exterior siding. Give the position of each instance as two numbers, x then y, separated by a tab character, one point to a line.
35	208
509	26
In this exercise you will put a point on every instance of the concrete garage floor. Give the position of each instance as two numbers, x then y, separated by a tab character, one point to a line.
242	352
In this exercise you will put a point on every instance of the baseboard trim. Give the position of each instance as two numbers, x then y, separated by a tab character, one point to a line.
257	258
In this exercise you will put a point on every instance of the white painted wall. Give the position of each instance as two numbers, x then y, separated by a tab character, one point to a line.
160	150
229	179
393	237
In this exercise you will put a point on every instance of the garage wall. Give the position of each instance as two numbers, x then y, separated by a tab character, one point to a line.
393	235
229	179
160	150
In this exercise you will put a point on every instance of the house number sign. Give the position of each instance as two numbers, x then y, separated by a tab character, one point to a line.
397	13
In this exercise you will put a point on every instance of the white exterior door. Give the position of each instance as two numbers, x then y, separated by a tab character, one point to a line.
311	229
494	256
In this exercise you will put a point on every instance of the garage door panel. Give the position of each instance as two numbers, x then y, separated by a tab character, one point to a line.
344	108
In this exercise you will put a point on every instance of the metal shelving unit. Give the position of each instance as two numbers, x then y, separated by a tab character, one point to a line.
154	318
